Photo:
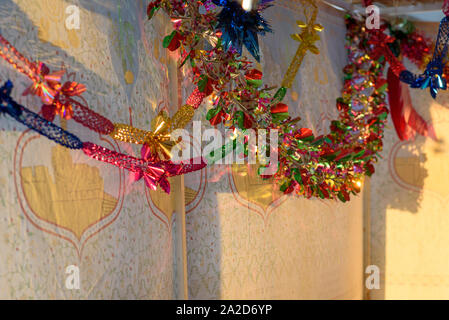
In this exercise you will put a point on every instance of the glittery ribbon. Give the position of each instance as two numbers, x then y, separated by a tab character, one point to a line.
58	100
57	97
155	173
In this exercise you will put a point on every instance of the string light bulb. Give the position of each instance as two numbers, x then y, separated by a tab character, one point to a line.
249	5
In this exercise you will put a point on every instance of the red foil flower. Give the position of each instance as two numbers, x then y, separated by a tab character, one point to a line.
62	105
47	85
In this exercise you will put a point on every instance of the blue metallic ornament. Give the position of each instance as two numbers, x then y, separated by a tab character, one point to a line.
433	76
240	27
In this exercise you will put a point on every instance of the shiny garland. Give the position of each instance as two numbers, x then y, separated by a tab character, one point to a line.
433	77
59	99
330	166
155	173
334	165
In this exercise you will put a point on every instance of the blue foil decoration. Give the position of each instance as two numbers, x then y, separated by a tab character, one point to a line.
34	121
240	27
433	76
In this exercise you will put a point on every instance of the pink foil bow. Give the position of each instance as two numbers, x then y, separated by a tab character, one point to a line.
154	173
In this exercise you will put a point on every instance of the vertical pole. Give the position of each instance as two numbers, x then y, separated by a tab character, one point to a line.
181	240
366	233
180	237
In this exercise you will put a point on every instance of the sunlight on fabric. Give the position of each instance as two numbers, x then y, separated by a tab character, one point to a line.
409	221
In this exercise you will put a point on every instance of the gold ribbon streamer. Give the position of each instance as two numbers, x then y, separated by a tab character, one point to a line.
307	38
159	138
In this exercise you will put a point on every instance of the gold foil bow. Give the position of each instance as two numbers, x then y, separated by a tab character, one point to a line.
158	140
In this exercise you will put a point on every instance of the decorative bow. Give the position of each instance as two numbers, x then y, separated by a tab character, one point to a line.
433	76
157	173
154	174
54	95
46	85
62	104
309	35
158	141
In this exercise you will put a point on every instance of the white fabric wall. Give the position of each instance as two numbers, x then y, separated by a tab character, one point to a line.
59	208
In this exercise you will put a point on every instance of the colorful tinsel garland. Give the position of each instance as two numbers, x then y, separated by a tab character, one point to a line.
407	42
59	99
154	173
330	166
433	76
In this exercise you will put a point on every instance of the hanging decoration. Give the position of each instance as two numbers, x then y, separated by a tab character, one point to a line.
158	141
59	100
240	27
406	42
330	166
333	165
307	38
407	121
432	77
155	173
